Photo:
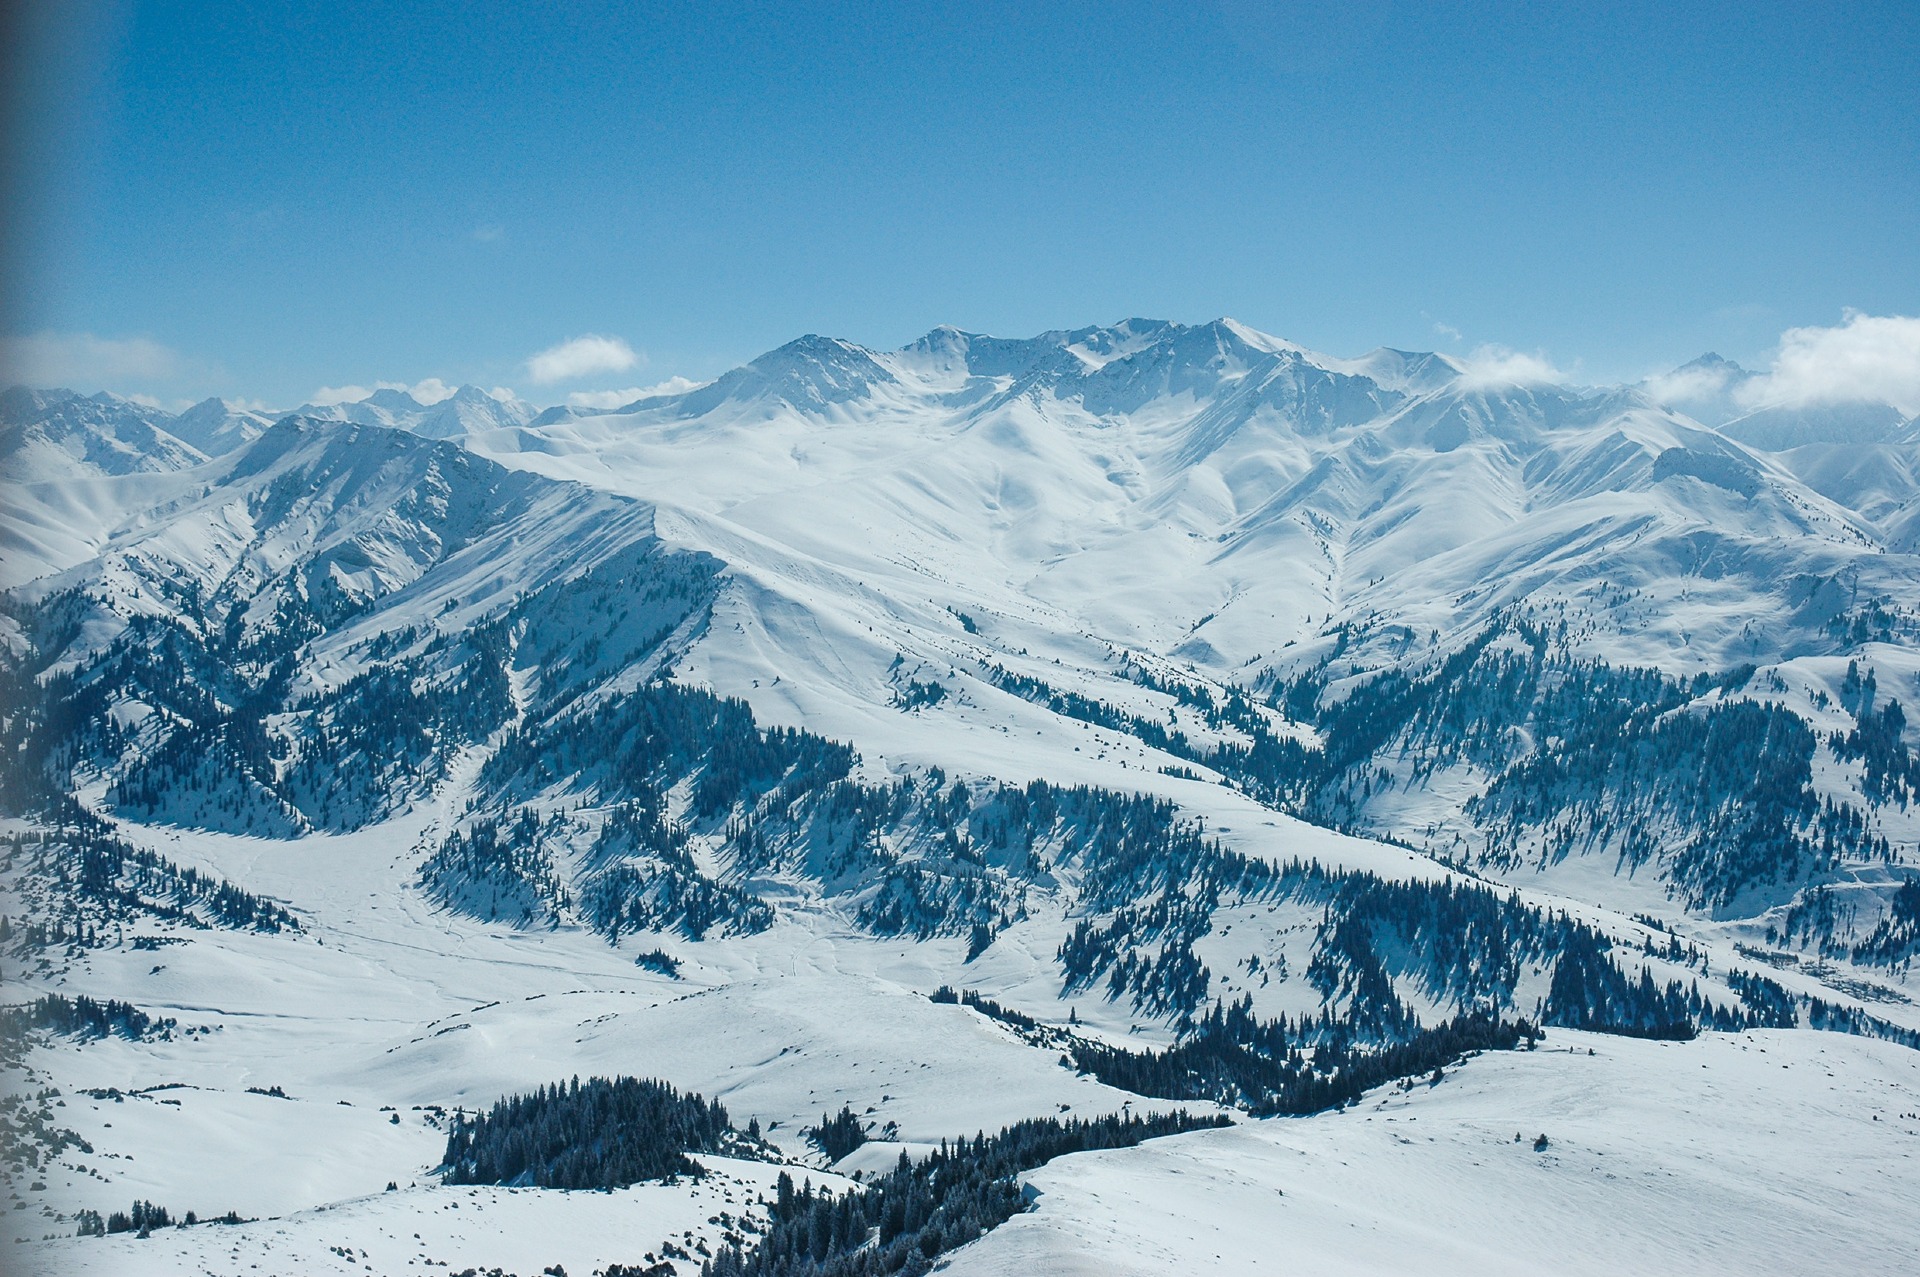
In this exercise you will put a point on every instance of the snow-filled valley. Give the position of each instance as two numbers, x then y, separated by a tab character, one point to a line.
1110	723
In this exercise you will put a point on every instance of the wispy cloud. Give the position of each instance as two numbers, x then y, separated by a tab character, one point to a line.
1867	358
428	392
1692	384
621	398
83	359
489	233
579	357
1502	366
164	405
327	396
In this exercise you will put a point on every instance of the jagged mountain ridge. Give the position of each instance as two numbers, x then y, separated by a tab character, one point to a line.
1248	512
1265	457
1231	721
52	433
466	410
1222	502
231	642
76	466
1213	499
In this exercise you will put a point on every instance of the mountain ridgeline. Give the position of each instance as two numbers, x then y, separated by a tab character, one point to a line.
1538	634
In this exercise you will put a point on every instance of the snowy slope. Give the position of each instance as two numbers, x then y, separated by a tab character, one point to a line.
215	426
1198	494
1659	1159
1231	505
55	433
315	659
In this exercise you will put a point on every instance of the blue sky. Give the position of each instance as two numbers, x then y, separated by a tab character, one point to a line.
262	200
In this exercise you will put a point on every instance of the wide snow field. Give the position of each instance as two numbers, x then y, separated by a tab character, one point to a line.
1767	1152
524	1231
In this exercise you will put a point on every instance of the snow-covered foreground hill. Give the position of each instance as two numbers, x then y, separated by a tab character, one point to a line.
1764	1152
1209	723
1795	1148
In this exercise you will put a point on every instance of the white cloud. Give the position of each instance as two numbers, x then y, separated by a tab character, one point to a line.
581	357
164	405
621	398
427	392
1500	366
84	360
1442	328
1868	358
1693	383
490	233
327	396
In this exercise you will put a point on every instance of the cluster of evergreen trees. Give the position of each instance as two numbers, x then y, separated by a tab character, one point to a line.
80	881
1590	992
1878	742
645	879
498	869
81	1017
947	995
1462	942
837	1134
1895	938
228	746
30	1139
1828	919
370	745
1275	769
1172	980
1815	916
1769	1005
1279	1066
654	737
1267	1068
142	1218
1722	793
1841	1018
599	1133
902	1221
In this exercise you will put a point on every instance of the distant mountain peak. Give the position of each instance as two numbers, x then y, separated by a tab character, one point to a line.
1711	360
394	400
1254	337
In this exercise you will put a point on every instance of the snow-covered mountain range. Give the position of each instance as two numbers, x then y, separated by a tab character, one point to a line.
1225	716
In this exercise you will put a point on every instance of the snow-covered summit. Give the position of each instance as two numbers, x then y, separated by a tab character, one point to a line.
467	410
44	432
215	426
